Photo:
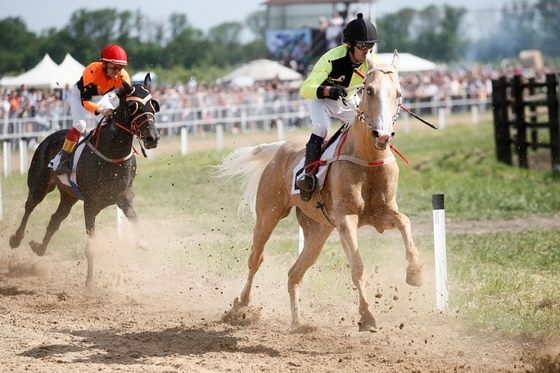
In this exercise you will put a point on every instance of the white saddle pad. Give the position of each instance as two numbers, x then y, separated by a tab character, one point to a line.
321	172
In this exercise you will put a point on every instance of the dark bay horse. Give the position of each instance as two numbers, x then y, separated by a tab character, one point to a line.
360	189
104	172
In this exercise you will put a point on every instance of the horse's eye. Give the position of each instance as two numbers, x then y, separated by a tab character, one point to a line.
155	105
132	108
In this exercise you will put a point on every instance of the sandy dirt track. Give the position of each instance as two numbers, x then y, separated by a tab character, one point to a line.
145	315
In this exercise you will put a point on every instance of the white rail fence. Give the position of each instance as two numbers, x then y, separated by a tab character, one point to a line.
22	133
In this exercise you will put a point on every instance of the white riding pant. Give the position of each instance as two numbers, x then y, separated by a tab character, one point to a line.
322	110
79	112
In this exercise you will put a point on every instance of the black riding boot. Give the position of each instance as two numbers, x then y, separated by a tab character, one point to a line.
64	165
308	181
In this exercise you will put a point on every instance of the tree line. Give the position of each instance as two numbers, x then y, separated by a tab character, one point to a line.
177	49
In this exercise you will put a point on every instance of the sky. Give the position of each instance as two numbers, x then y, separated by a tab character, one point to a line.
40	15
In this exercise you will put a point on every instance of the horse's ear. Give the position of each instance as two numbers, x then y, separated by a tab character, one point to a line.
148	82
396	60
127	87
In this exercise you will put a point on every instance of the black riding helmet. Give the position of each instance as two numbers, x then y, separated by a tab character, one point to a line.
360	32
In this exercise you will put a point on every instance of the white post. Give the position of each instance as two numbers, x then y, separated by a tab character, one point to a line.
474	114
22	156
440	256
441	113
184	141
7	158
244	124
220	137
120	218
280	128
406	122
301	240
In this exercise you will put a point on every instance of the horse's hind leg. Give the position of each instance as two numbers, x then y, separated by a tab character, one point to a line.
264	225
15	239
38	189
64	208
315	235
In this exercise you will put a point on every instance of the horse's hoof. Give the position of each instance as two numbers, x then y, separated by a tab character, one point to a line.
15	241
241	315
37	248
90	283
367	327
414	275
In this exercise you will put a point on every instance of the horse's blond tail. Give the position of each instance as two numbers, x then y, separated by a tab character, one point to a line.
248	163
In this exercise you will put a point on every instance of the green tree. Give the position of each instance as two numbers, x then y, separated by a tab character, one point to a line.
516	31
393	31
256	22
17	46
223	45
549	26
438	36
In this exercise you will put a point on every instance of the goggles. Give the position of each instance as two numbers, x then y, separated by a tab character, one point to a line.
114	67
364	45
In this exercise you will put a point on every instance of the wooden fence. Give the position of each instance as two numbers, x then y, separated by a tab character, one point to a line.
521	109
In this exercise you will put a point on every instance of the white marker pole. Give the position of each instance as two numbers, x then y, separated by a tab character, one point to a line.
184	141
120	218
440	256
301	240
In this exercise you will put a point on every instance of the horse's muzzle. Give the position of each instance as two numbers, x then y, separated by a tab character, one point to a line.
150	138
151	142
382	139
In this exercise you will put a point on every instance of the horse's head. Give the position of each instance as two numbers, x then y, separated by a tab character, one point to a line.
381	98
139	109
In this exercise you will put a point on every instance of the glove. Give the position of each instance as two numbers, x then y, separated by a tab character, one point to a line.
105	111
337	92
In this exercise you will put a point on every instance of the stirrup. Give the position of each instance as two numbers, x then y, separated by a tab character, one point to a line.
64	167
306	184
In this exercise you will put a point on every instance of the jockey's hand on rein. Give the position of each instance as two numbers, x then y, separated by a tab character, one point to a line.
337	92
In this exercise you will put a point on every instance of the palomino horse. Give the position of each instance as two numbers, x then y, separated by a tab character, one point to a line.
359	189
104	172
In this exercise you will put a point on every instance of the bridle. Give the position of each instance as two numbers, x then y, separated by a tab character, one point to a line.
136	123
132	107
360	114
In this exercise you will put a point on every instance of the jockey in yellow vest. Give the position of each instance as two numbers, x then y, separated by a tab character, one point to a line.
327	82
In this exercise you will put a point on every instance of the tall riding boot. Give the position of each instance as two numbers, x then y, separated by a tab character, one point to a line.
308	181
65	164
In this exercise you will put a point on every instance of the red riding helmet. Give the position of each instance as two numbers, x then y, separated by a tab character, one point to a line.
115	55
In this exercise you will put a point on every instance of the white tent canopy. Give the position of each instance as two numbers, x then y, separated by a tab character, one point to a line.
260	70
408	62
71	69
47	74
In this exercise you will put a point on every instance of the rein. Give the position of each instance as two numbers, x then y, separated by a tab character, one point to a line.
361	86
134	130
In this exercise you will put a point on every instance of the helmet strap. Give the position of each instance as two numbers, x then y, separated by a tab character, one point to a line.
352	52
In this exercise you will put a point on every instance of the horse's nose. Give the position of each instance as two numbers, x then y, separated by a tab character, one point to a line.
383	136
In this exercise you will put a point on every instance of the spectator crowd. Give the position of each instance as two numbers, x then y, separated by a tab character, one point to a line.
30	110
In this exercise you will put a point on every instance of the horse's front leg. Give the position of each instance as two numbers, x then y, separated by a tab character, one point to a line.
414	269
126	206
348	230
90	216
